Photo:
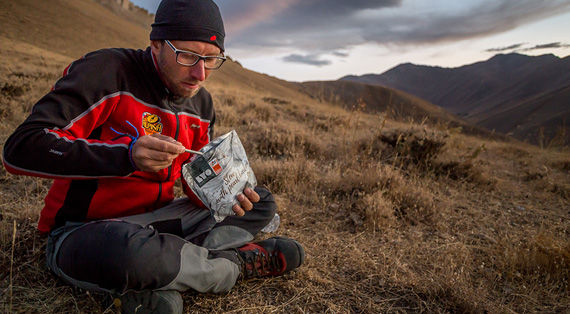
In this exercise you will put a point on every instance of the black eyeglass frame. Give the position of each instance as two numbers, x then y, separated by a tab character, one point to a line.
200	57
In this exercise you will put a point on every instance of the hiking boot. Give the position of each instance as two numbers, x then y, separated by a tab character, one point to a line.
272	257
167	301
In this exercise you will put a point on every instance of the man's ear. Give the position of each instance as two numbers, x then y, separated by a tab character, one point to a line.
155	46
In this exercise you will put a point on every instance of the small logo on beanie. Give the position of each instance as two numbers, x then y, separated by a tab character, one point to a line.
213	38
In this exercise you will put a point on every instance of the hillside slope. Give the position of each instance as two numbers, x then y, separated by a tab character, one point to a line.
483	92
68	27
539	119
397	104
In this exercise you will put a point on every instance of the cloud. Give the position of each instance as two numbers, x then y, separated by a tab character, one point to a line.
341	54
308	24
306	59
547	46
501	49
314	59
520	48
240	15
321	26
307	30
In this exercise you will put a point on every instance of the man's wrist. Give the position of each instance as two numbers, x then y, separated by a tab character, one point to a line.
131	160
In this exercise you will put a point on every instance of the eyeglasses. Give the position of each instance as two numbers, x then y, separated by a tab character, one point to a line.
189	59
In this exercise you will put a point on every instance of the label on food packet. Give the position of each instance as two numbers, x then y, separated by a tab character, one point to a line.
220	174
215	165
201	171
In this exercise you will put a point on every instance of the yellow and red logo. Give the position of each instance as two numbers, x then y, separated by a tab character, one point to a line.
151	123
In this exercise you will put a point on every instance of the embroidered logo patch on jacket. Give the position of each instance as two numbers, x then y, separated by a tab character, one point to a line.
151	123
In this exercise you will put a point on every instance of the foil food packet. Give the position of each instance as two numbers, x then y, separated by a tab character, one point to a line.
220	174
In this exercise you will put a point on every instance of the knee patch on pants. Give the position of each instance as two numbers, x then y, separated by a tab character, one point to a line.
119	256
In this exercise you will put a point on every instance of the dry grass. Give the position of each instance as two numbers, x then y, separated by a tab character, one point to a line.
395	217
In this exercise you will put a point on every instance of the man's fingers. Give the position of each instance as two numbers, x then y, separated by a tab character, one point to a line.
162	143
155	152
165	138
251	195
238	210
245	202
154	155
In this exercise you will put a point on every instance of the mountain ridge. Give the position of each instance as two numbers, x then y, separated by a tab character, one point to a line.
481	91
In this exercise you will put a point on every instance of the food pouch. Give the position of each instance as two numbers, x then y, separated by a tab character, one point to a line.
220	174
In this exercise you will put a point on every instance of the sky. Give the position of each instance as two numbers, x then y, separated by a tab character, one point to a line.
317	40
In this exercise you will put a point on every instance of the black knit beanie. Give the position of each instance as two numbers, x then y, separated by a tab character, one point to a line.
192	20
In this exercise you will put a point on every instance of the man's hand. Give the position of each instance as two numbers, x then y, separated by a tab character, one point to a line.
246	199
155	152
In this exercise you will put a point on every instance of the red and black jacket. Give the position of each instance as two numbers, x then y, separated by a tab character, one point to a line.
77	135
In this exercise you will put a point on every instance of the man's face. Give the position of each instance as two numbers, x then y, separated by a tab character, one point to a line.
183	81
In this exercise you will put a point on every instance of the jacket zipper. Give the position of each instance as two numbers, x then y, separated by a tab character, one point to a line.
176	135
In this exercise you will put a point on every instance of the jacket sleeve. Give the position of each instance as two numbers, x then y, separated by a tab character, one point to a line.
61	137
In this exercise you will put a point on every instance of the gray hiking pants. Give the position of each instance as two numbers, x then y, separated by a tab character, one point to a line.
177	247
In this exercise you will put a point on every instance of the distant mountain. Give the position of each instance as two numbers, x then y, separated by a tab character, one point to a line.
522	95
397	104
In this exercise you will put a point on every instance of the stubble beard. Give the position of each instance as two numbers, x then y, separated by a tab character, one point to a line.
175	87
178	90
